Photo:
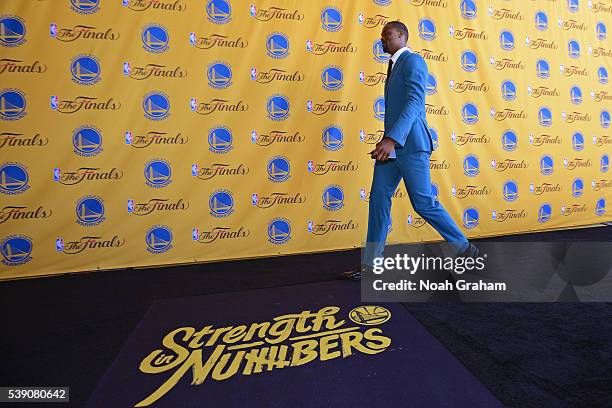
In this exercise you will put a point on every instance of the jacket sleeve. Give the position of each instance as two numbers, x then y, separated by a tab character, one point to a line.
415	77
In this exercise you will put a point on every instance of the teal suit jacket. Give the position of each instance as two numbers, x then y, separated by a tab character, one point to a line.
405	120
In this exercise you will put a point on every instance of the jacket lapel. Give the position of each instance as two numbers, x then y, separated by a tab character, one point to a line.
395	69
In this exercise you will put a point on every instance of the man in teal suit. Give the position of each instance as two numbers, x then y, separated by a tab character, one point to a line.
404	151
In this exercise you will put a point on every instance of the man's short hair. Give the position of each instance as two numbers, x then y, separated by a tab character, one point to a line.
398	25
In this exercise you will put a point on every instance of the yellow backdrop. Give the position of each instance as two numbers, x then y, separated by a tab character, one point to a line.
148	132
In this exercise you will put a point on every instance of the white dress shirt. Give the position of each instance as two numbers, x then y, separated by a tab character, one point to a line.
396	56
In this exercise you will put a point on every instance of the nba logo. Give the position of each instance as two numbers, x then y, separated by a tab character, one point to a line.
130	206
253	136
194	170
254	198
308	45
310	227
57	174
494	214
253	10
361	76
361	135
195	234
128	137
309	106
362	194
253	73
53	102
125	3
59	244
360	18
310	166
126	68
192	38
53	30
194	104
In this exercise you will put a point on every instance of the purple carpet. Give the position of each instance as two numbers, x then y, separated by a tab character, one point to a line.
298	346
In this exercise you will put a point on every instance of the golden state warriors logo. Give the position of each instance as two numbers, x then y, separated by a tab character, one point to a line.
219	11
544	212
379	108
332	78
578	142
469	113
471	166
155	38
219	75
577	187
277	45
333	198
435	190
510	190
12	104
575	95
85	70
506	40
85	6
431	87
545	117
468	9
602	75
427	29
604	119
220	140
90	211
221	203
156	106
13	178
573	49
16	250
331	19
601	31
12	31
541	21
509	141
547	165
279	231
434	138
508	90
469	61
332	138
87	141
471	218
278	107
600	207
158	173
369	315
604	163
159	239
378	53
279	169
573	6
542	69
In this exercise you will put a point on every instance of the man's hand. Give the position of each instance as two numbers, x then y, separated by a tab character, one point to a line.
383	149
